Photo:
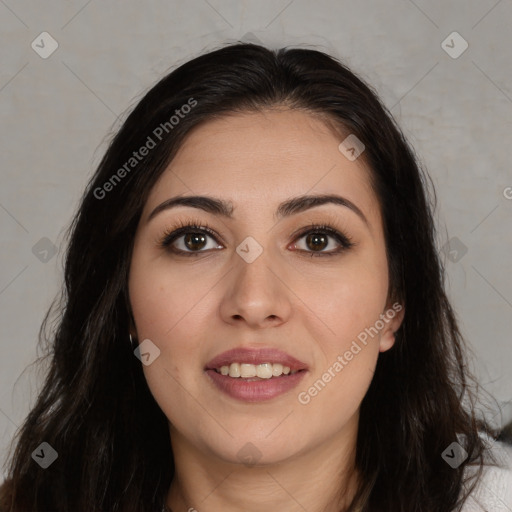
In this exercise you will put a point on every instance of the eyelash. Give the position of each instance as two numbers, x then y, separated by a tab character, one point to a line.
195	226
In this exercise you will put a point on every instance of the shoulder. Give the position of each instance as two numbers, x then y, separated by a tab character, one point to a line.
493	492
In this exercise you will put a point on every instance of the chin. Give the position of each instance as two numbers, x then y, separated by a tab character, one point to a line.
256	448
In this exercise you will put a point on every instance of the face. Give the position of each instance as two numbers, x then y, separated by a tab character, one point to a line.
264	283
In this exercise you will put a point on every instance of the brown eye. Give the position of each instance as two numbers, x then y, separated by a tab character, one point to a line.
190	240
318	238
316	241
194	241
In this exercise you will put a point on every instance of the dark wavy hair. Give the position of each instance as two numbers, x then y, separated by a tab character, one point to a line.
95	408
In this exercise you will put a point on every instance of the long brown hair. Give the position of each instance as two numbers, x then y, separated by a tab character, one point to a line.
95	408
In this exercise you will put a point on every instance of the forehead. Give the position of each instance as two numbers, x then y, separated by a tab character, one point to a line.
261	158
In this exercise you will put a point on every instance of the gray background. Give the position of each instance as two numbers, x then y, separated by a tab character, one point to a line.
59	112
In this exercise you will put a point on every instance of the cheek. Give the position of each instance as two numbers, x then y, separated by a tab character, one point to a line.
169	307
163	305
347	300
333	396
348	304
164	297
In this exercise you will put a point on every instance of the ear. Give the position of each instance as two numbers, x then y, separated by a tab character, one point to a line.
392	317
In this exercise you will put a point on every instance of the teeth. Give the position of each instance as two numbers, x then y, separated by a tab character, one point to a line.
264	371
277	369
234	370
247	371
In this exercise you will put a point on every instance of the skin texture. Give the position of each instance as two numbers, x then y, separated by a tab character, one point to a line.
194	308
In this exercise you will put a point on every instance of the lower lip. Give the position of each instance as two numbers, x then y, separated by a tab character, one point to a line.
258	390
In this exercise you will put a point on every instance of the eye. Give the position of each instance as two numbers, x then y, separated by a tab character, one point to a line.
191	239
317	237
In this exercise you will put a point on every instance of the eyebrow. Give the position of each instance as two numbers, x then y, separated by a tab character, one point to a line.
287	208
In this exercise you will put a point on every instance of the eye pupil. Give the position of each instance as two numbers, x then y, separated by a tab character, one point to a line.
197	240
315	238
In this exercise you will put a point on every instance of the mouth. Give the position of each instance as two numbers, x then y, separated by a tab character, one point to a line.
255	371
254	375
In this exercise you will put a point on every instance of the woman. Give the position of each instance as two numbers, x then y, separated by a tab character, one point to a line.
254	312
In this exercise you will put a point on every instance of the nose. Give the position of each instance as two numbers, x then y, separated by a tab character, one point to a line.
256	293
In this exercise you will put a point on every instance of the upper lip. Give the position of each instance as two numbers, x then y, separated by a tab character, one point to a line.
255	356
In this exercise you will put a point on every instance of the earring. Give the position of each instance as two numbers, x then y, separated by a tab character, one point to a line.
133	342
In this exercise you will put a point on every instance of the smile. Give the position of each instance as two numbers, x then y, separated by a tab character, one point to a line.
261	371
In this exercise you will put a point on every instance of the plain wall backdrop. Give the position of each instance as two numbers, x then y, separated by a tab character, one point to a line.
443	68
